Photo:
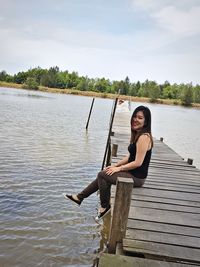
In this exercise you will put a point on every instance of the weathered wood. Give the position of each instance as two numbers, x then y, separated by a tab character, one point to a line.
177	188
181	202
119	249
167	193
109	133
90	113
114	150
165	238
165	216
120	212
160	250
108	260
190	161
164	206
163	228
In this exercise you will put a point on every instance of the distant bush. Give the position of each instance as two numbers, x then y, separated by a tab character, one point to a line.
187	95
175	102
104	95
31	83
74	93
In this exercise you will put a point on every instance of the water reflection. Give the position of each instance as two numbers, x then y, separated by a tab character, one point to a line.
105	229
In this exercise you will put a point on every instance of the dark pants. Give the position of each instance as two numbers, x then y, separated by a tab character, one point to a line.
103	183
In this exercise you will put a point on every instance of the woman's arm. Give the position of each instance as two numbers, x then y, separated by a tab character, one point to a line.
122	161
142	146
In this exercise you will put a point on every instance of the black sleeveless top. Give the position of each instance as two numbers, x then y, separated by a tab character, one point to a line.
142	171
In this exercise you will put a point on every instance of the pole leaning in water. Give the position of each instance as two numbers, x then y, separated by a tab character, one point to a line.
90	113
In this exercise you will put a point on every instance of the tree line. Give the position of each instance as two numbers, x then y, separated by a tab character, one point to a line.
55	78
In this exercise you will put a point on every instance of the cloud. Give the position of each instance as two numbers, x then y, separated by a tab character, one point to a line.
183	23
179	18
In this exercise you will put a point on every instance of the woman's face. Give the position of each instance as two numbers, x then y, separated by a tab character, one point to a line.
138	121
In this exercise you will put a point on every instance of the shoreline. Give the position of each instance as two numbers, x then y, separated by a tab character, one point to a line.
171	102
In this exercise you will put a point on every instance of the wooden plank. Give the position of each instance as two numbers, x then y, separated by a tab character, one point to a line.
174	166
177	168
184	202
162	161
160	199
173	180
167	194
108	260
164	238
164	206
173	183
169	252
162	216
175	175
177	188
163	227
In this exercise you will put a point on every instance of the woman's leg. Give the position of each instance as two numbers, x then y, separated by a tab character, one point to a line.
105	181
138	182
89	190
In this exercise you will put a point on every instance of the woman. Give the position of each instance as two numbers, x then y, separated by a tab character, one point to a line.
134	165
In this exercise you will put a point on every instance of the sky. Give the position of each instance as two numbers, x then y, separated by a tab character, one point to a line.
143	39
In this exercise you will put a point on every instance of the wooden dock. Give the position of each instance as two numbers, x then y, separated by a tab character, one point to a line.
162	227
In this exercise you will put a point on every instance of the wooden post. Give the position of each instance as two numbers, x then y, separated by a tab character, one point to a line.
110	130
108	159
90	113
161	139
120	212
190	161
114	150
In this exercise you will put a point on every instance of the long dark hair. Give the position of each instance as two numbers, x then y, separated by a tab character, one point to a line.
147	124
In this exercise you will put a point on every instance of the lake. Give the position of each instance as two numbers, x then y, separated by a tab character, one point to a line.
45	151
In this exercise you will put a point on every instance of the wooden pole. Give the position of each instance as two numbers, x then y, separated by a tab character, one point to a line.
114	150
90	113
109	133
108	159
120	212
190	161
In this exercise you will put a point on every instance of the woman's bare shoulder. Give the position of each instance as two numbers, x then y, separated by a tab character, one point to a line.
144	136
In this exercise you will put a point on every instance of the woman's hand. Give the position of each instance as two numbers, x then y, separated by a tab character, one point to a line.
110	170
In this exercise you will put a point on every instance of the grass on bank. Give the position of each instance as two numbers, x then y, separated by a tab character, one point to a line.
96	94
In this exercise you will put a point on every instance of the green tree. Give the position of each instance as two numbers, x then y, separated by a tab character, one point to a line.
167	92
144	89
50	77
154	91
134	88
186	94
72	80
163	90
9	79
196	94
3	75
20	77
115	87
31	83
37	73
83	84
101	85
